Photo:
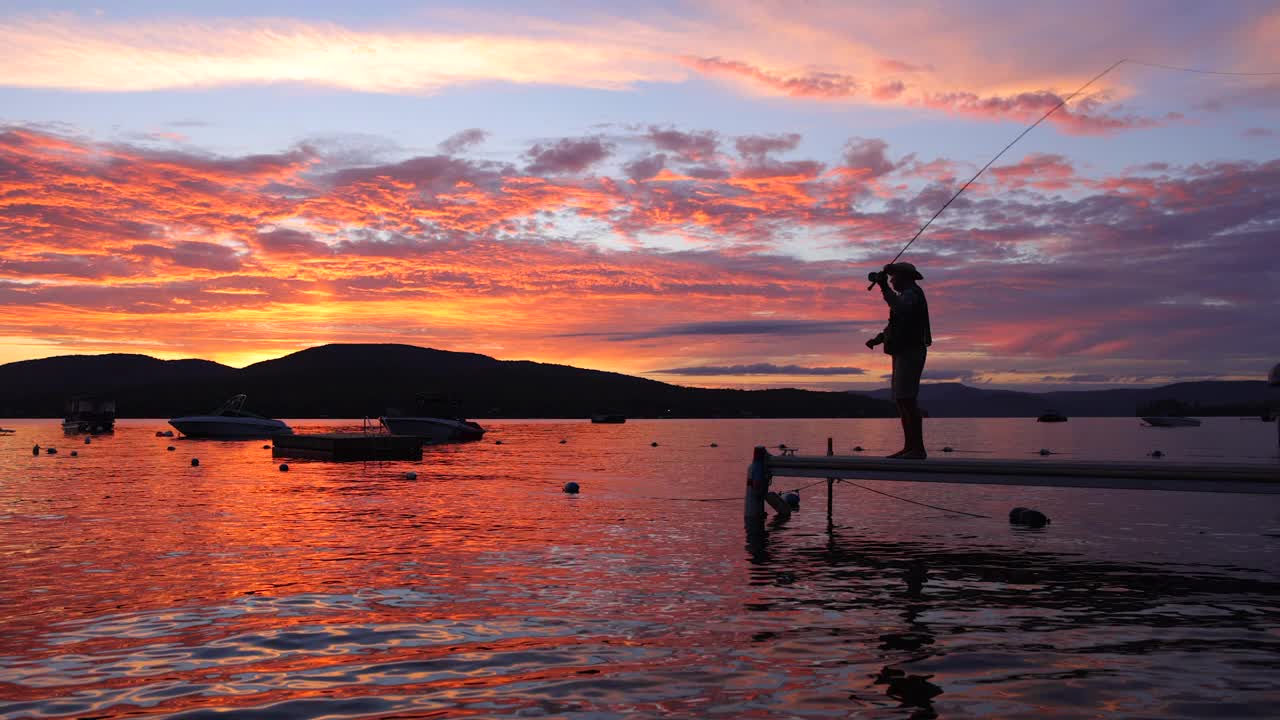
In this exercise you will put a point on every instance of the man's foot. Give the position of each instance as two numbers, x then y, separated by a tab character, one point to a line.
913	455
898	454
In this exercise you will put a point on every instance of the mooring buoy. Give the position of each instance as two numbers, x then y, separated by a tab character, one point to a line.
284	467
571	487
948	448
195	462
1156	454
171	448
1046	451
51	451
266	447
74	453
562	442
88	440
714	445
793	500
497	442
653	444
857	448
411	475
35	449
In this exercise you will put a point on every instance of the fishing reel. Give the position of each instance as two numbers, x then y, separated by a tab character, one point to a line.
874	277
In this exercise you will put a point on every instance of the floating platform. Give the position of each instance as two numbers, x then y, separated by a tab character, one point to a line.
1235	478
348	446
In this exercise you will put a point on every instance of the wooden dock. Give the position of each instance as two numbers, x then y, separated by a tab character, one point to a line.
1156	475
348	446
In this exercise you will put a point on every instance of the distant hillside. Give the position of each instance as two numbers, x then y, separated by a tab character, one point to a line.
1242	397
359	380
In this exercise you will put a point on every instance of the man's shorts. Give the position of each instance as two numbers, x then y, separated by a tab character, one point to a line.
907	367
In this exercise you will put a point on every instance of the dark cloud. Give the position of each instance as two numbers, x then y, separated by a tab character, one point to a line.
869	156
761	369
645	167
287	241
758	145
192	254
694	147
458	142
566	156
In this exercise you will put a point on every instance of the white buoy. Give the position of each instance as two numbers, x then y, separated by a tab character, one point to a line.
411	475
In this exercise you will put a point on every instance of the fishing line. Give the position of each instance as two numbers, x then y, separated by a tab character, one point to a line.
1051	111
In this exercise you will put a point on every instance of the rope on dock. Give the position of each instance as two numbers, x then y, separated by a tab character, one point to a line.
914	502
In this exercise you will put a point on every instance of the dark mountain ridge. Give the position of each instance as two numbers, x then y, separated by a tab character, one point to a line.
360	380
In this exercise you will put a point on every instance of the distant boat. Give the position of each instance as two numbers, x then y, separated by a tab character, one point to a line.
1052	416
435	420
1171	421
7	431
608	419
87	414
1267	417
229	422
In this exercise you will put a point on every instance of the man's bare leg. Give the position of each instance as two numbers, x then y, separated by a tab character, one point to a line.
904	415
912	430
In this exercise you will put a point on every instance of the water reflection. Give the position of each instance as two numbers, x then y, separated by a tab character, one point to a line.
150	587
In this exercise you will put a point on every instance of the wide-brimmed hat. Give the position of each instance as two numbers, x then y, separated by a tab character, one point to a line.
904	268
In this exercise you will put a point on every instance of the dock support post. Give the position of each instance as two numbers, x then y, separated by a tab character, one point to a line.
830	485
758	477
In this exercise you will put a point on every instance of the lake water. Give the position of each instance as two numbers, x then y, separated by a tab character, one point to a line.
136	585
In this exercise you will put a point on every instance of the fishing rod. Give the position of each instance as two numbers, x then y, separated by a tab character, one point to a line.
872	276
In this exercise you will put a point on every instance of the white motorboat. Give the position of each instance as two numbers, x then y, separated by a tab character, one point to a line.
433	429
228	422
1171	421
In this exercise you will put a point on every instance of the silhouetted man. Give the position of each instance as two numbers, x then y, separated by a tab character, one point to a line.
906	339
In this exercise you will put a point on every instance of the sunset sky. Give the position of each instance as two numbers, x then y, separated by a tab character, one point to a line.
691	192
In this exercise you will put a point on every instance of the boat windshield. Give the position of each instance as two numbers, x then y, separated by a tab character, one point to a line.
235	408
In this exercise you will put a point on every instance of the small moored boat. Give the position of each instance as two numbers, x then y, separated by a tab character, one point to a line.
229	422
87	414
1171	421
435	421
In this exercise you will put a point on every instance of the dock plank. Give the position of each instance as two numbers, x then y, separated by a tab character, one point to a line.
1186	477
